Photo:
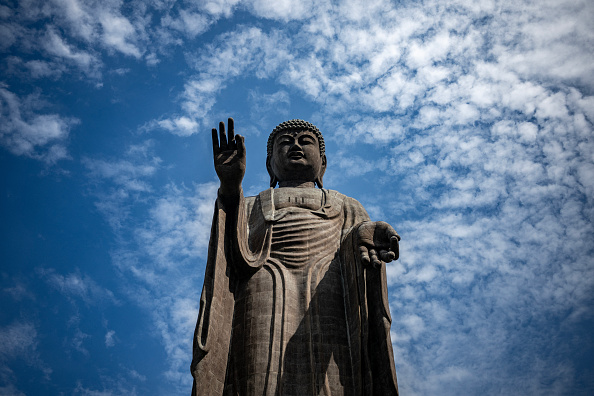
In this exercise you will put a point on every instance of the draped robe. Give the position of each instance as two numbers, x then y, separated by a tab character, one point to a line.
287	307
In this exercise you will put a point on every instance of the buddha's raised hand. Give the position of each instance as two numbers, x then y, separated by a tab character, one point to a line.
229	158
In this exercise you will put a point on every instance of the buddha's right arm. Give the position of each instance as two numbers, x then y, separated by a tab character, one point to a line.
245	256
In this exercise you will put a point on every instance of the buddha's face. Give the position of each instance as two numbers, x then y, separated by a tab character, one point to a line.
296	157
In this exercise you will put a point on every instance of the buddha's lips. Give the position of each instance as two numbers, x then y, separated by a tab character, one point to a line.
295	155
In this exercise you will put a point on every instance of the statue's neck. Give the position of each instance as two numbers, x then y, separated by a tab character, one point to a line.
297	183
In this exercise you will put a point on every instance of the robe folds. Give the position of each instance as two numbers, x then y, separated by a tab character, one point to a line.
287	306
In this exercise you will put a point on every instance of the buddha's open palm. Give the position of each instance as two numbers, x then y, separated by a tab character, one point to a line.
378	242
229	157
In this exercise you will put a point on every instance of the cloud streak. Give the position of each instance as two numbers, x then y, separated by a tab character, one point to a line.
26	132
19	341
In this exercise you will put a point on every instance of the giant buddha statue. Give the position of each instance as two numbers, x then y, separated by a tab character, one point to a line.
295	297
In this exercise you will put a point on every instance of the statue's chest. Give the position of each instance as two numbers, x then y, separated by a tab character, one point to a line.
302	223
300	237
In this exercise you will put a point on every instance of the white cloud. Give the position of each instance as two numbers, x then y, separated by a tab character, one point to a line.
354	165
179	223
78	286
78	340
5	12
282	9
554	43
514	226
113	387
120	183
219	8
41	69
190	23
72	34
369	129
110	339
435	61
23	132
19	291
182	125
101	24
414	325
200	96
77	17
19	342
428	52
125	173
235	53
55	45
118	33
10	390
9	34
266	109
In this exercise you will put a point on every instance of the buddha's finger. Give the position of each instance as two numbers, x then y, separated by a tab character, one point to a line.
387	255
374	259
364	254
223	136
231	136
240	145
215	142
394	247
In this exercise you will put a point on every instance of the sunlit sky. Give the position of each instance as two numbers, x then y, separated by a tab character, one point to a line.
467	125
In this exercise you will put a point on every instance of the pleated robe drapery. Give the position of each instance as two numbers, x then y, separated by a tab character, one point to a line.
287	307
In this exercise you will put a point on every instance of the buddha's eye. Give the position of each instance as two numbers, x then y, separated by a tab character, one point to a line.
307	140
285	140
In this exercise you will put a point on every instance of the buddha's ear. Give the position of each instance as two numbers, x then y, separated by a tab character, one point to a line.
319	181
273	179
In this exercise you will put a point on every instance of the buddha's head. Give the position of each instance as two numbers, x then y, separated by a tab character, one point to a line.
296	153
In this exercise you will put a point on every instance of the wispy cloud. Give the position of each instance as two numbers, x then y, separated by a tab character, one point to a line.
180	125
187	22
129	176
267	109
58	48
110	338
78	286
112	387
119	34
11	390
26	132
18	339
19	342
120	182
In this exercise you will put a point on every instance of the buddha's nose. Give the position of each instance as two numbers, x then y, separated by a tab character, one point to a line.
295	147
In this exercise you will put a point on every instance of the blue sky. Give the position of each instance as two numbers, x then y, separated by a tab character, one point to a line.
467	125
